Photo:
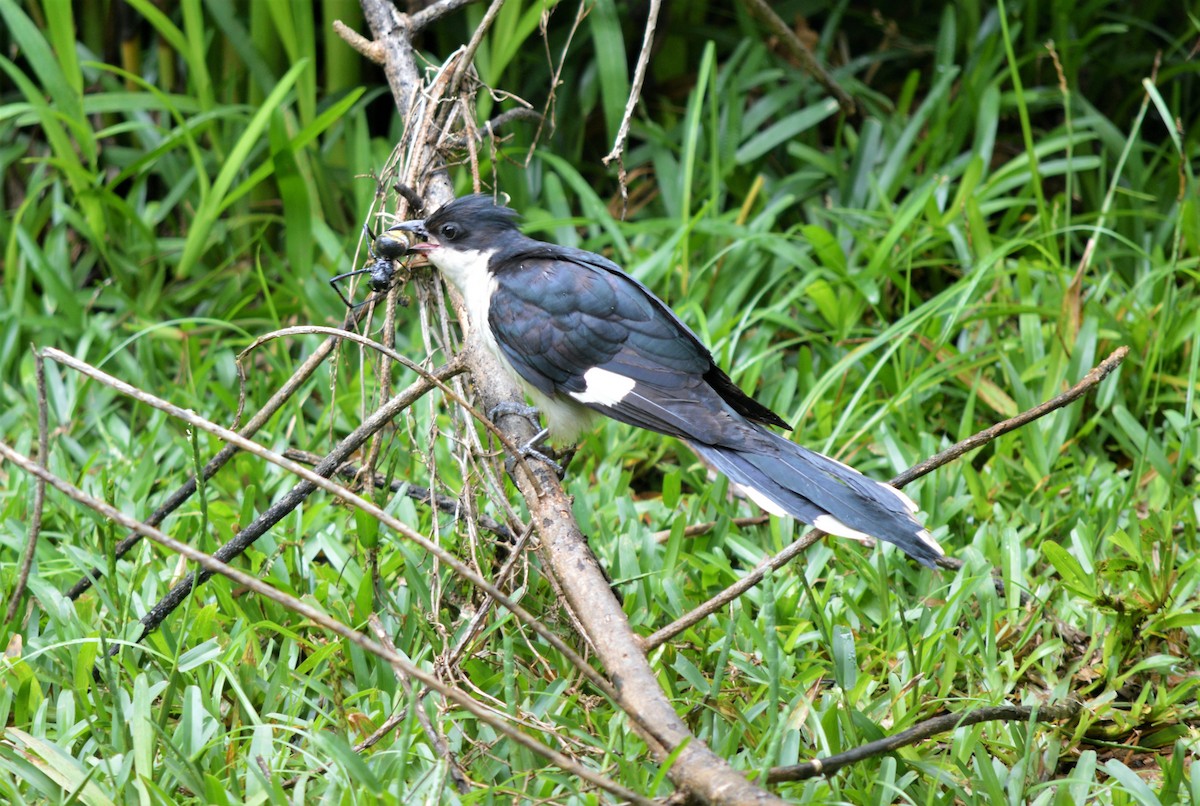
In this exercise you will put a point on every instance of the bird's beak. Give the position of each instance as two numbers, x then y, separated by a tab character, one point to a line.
416	227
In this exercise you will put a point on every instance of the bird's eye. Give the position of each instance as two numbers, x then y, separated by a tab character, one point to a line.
449	232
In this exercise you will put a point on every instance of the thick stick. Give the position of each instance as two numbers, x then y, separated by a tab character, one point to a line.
570	564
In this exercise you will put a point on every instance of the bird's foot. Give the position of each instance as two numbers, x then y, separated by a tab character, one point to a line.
509	407
533	449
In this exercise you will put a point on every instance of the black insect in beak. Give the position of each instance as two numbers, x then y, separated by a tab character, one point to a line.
416	227
385	251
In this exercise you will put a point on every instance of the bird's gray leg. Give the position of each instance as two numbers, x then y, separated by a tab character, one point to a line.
507	407
530	449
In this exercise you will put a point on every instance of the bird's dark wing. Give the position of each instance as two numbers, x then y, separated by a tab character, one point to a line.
574	326
560	315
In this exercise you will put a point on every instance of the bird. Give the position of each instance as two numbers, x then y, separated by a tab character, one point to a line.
583	338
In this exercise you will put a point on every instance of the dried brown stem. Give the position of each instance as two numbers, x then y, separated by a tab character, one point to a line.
922	731
635	93
493	126
39	492
468	56
762	11
697	529
212	565
436	739
1085	385
435	11
372	51
402	360
424	495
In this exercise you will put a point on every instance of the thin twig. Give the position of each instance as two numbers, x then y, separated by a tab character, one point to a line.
39	491
372	51
188	489
477	35
435	11
639	78
436	739
548	108
424	495
635	94
493	126
212	565
697	529
477	620
1099	373
762	10
922	731
402	360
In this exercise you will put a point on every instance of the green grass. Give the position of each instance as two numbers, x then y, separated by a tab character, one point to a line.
890	284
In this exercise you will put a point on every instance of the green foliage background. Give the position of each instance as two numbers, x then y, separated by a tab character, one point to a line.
1016	199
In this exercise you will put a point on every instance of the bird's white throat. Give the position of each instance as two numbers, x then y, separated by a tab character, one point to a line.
467	271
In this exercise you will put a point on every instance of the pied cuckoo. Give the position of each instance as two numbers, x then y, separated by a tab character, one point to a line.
582	337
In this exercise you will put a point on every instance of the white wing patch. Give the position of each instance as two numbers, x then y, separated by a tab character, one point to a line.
905	500
604	388
928	540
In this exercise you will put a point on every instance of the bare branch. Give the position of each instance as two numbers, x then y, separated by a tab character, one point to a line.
1085	385
635	93
493	126
424	495
468	55
435	11
762	10
922	731
373	51
212	565
697	529
436	739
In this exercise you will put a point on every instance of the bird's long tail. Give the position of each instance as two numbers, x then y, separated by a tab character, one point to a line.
787	479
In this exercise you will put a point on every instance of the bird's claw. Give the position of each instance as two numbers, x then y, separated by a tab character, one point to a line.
530	451
509	407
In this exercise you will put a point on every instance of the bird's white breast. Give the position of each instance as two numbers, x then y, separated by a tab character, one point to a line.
467	270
